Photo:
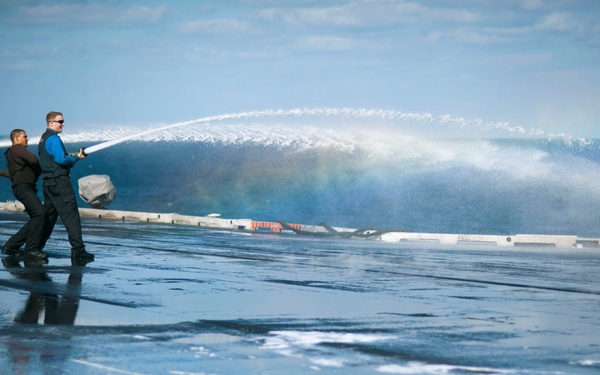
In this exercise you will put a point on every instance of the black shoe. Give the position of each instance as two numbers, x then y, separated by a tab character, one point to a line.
36	262
11	261
8	251
81	262
37	254
82	255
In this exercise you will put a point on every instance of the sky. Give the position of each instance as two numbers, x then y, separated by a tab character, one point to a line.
108	63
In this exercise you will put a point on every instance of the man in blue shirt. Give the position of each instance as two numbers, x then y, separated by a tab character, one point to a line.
59	196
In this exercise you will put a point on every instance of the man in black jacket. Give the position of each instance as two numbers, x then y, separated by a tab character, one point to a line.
24	171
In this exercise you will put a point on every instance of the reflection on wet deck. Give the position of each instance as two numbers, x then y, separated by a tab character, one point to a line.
163	299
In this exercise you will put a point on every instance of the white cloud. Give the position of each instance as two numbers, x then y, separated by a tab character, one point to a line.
206	55
89	14
215	26
518	60
367	13
327	43
264	53
531	4
26	57
525	59
310	16
17	65
561	21
476	36
28	51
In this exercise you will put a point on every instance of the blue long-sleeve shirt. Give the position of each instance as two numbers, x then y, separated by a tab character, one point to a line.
56	149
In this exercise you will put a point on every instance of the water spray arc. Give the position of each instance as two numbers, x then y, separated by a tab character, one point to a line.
355	113
349	112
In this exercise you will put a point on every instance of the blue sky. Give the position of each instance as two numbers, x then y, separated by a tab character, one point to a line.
532	63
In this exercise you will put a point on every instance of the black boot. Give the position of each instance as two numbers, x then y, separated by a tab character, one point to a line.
82	254
8	251
36	254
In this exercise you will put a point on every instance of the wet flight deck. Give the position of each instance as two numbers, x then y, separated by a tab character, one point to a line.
168	299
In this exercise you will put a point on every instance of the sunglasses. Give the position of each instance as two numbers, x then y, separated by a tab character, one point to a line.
59	121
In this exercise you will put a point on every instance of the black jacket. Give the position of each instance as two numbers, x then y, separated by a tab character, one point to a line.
23	165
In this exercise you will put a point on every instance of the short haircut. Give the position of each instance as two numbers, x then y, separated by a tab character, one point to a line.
51	116
15	133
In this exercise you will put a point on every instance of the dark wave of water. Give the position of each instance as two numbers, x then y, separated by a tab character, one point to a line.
448	186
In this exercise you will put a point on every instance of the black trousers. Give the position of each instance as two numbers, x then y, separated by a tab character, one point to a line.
60	200
32	232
